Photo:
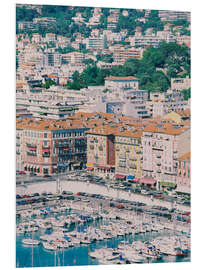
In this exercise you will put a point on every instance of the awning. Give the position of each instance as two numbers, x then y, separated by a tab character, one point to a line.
130	177
167	184
45	150
147	181
90	168
103	167
89	165
120	176
136	180
32	148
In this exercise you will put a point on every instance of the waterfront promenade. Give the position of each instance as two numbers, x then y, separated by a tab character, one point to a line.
50	186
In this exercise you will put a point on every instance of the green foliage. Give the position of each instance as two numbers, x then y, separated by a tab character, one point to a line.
48	84
90	76
23	14
67	49
88	61
107	58
186	93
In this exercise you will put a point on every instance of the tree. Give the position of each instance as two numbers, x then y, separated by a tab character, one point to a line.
48	84
186	93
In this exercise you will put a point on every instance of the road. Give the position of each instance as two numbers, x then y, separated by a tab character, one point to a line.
76	186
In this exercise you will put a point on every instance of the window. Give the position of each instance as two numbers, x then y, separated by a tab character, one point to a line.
45	135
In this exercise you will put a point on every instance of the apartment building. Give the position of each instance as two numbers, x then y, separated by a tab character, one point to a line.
49	147
95	43
184	172
101	150
123	83
73	58
121	55
162	144
170	15
128	153
48	105
180	83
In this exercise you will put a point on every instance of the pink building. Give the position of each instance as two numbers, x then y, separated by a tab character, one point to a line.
183	175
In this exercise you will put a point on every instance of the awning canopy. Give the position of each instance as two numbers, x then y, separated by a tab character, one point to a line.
45	150
103	167
120	176
147	181
90	168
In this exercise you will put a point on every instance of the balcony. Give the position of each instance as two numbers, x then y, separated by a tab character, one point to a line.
157	148
133	166
30	153
31	145
45	147
61	145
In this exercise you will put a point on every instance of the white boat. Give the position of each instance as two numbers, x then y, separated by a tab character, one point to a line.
49	246
29	241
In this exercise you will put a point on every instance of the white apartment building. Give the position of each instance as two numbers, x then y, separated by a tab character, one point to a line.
162	143
170	15
180	83
123	83
72	58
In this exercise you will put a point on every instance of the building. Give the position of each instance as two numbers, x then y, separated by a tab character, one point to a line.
19	152
128	153
96	43
183	174
49	104
52	59
170	15
101	151
50	37
180	83
72	57
49	147
121	55
123	83
162	144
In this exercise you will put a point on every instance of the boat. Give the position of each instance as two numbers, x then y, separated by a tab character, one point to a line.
49	246
30	241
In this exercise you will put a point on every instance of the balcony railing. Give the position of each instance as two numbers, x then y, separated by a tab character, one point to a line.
31	145
45	146
29	153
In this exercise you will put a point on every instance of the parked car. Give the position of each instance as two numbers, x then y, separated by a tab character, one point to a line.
22	172
46	176
33	174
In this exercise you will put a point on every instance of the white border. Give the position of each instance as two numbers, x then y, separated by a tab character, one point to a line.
7	90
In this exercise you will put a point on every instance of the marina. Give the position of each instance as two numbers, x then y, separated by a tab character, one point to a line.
88	231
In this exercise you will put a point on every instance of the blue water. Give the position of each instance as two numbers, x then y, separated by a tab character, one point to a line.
75	255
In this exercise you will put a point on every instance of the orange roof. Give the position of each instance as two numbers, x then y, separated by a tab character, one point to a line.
128	78
185	156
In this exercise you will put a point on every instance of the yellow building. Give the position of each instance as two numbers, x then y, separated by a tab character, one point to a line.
128	153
